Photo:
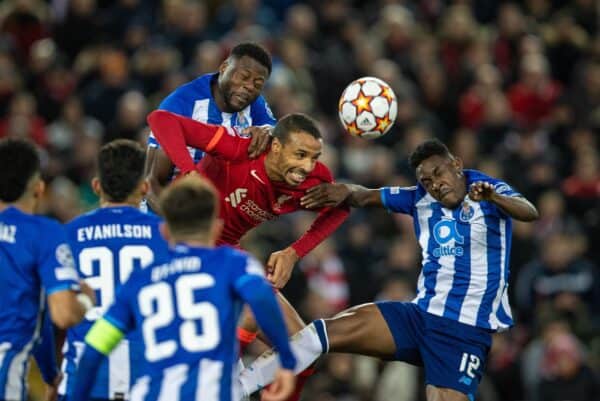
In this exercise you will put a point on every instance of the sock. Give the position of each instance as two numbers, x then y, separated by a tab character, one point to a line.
245	337
307	345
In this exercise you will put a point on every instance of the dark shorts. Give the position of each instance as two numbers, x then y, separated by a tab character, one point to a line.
452	353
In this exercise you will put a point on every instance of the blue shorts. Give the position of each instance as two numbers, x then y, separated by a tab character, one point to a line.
452	353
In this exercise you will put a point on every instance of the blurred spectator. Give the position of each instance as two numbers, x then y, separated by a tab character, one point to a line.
23	121
565	373
130	119
562	280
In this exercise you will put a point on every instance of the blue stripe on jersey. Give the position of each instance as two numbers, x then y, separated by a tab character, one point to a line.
214	114
494	249
432	266
462	271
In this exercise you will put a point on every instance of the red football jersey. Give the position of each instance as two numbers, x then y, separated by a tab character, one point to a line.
248	196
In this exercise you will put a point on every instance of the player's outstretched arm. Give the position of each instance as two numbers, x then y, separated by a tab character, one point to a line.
331	195
102	338
175	133
517	207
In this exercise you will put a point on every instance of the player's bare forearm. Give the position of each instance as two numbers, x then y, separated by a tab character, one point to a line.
332	195
363	197
518	207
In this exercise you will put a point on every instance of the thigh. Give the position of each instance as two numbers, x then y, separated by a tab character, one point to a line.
444	394
454	355
360	330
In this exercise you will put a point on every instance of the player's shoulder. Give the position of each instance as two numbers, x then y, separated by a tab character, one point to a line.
476	175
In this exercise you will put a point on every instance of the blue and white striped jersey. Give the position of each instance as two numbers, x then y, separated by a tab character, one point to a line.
108	245
195	100
465	253
35	261
187	310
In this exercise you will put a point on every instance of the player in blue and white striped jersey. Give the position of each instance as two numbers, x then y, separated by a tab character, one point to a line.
36	265
187	308
230	97
462	219
108	244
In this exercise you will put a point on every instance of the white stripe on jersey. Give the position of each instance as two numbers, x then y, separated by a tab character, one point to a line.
140	388
200	112
479	269
443	278
226	117
79	347
15	379
119	370
173	379
423	214
209	380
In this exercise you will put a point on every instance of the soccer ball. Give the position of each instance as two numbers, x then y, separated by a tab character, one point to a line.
368	108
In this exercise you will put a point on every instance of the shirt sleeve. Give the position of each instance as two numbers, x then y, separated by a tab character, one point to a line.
399	199
56	264
262	114
175	133
502	188
120	314
258	293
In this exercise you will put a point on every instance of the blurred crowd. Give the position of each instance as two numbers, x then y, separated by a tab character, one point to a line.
512	88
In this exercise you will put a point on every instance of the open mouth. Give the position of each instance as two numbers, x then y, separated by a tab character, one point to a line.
297	176
445	193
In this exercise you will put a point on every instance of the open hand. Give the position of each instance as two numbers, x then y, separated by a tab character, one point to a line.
261	137
325	195
280	266
481	191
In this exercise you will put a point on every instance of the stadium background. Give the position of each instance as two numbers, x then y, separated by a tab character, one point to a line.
512	88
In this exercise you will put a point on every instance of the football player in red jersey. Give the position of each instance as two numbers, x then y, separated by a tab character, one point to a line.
256	190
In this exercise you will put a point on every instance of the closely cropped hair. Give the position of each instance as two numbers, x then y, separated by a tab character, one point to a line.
19	162
255	51
189	205
427	149
295	122
120	168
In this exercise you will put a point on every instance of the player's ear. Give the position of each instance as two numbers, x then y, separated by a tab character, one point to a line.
276	145
458	164
39	188
223	66
144	187
164	231
96	186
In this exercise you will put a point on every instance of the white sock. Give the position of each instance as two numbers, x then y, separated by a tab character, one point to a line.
307	345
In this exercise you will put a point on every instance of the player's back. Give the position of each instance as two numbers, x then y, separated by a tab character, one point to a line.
108	245
22	240
35	261
187	310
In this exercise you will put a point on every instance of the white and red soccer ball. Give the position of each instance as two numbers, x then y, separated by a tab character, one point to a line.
368	108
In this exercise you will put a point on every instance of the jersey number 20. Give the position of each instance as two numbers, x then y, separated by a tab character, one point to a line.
157	305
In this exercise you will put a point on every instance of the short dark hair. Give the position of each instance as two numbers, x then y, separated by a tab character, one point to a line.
295	122
432	147
189	205
255	51
19	162
120	168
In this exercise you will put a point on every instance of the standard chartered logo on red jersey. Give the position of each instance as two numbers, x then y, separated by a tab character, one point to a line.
238	200
236	196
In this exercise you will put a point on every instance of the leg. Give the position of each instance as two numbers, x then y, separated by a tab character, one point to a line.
293	321
361	329
444	394
354	331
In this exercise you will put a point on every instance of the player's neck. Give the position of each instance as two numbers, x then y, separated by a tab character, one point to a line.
218	96
271	169
194	242
118	204
27	205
